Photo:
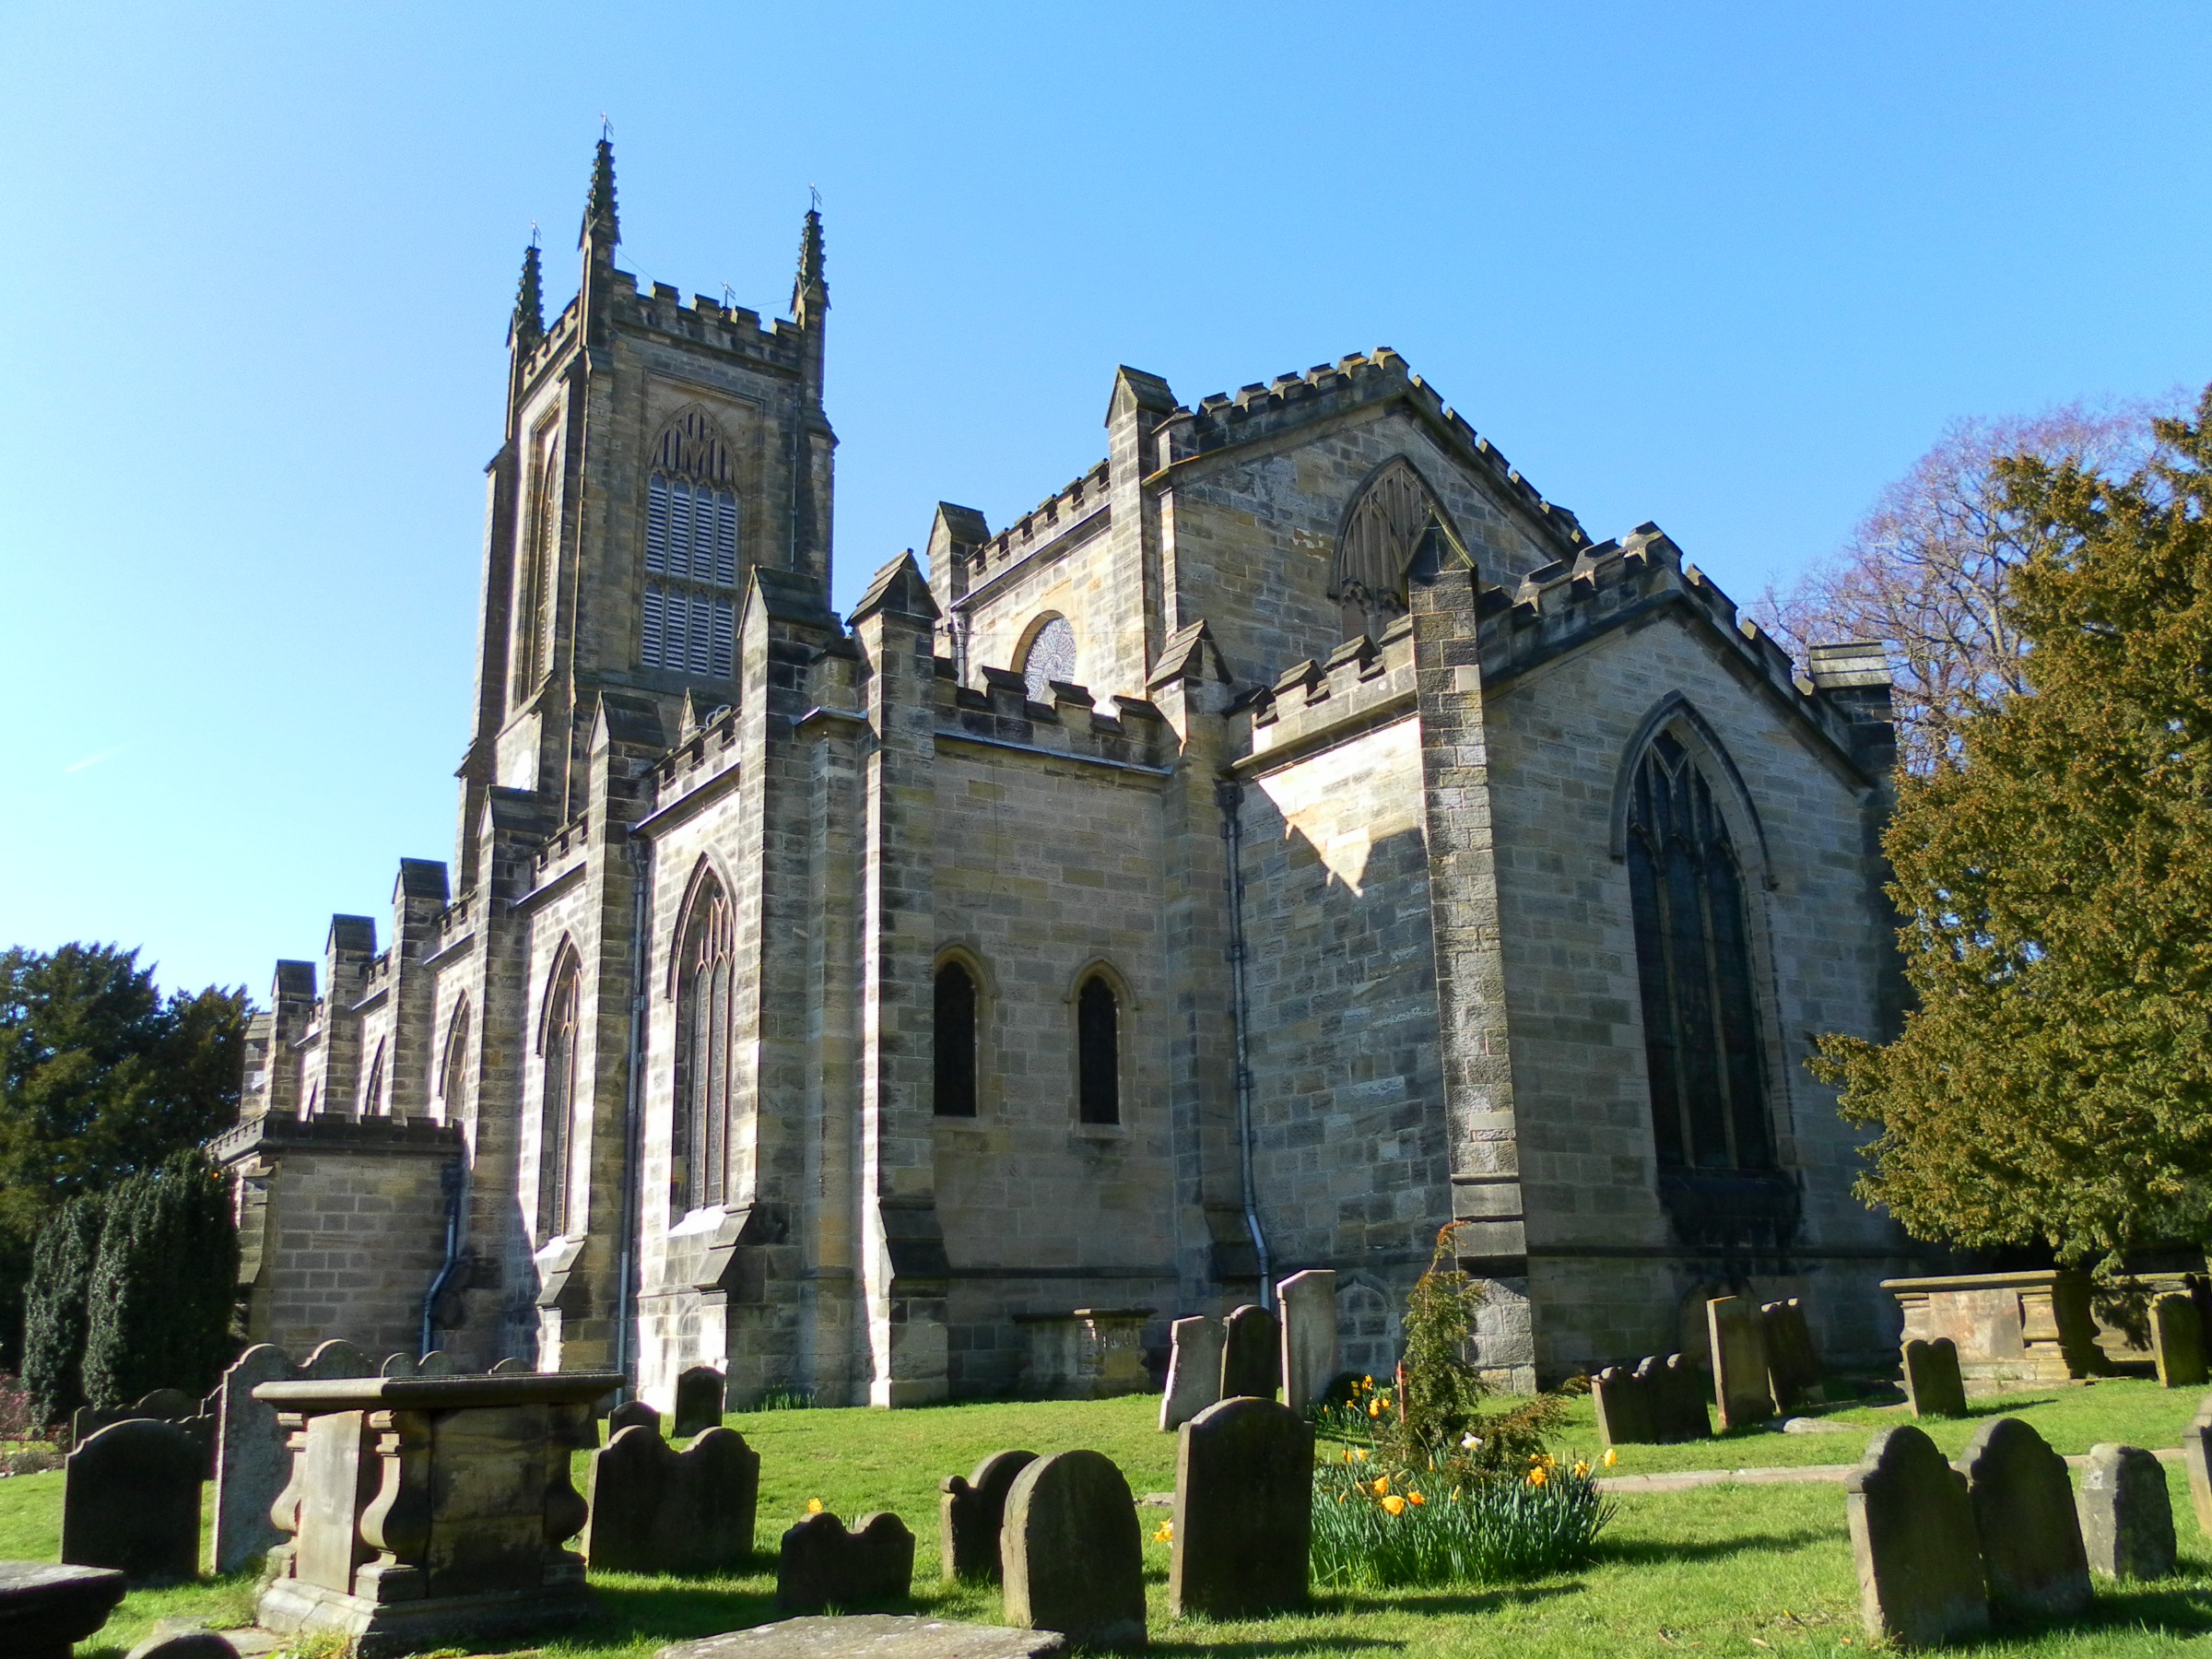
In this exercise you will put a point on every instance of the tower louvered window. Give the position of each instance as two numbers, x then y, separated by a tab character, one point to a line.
687	617
699	1143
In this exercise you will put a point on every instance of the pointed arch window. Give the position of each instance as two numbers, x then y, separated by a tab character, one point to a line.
1693	959
556	1135
1098	1052
689	616
451	1092
1383	529
958	1001
534	583
705	968
372	1097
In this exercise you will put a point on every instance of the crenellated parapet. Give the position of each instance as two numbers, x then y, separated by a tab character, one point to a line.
731	332
1002	715
1363	683
1080	504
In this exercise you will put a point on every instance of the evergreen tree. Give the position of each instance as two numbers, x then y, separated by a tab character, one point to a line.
55	1308
163	1285
2055	1083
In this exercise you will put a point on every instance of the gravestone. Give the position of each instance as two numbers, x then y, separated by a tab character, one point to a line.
1194	1371
1073	1559
2177	1340
970	1513
396	1365
822	1565
699	1400
1625	1408
1932	1379
1793	1363
437	1363
514	1367
1739	1362
658	1509
334	1358
131	1500
1251	1358
251	1463
165	1405
632	1414
2197	1457
184	1644
876	1635
2031	1549
1913	1543
1308	1303
1243	1512
2127	1513
1677	1397
45	1609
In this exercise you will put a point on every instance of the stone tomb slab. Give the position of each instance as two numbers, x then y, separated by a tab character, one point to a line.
1243	1512
2031	1547
658	1509
1308	1303
873	1636
44	1609
972	1512
1194	1371
131	1500
1913	1543
1073	1559
1739	1338
2127	1513
2177	1340
1932	1379
822	1565
1251	1357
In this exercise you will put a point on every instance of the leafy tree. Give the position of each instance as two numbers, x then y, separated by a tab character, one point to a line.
162	1287
55	1308
101	1076
2055	1083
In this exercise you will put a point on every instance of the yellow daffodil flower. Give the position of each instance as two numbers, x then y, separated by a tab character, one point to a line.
1535	1475
814	1506
1381	1484
1582	1471
1610	1458
1415	1499
1166	1534
1394	1505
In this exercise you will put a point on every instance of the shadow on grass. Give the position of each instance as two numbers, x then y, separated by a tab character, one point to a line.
1661	1552
1439	1603
2167	1610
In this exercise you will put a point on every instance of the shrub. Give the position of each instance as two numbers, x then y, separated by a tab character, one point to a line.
1383	1532
54	1309
163	1285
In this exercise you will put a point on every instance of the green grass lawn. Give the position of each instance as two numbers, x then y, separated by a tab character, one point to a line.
1725	1569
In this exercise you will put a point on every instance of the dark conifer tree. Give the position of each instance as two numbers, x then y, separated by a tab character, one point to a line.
55	1308
162	1288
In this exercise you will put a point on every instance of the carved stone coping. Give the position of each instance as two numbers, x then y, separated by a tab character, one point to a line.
2034	1278
441	1393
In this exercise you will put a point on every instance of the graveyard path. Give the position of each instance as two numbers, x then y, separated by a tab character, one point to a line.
1681	1481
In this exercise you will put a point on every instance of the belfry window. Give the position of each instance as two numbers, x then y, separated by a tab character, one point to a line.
1098	1052
955	1042
558	1126
1693	958
689	611
699	1141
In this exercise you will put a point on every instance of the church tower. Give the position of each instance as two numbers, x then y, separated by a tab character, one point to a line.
654	455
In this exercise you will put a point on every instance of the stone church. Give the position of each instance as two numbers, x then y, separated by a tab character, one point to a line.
1290	836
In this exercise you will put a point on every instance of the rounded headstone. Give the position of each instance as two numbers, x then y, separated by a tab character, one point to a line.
1913	1543
184	1644
2127	1513
970	1513
131	1500
2023	1503
1252	1356
822	1565
1073	1557
1243	1512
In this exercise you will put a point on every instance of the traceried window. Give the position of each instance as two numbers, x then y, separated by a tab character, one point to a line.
451	1093
534	581
688	613
1693	957
1098	1052
557	1134
955	1044
1051	656
699	1148
1393	513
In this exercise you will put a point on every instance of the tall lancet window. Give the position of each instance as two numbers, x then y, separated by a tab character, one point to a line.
704	968
557	1131
689	616
1384	527
536	570
1693	956
955	1036
372	1097
1098	1052
451	1094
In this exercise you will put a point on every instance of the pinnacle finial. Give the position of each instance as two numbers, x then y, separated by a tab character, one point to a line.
600	223
527	326
810	290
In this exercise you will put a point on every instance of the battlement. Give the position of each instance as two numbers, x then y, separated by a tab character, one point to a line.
733	330
1002	715
1067	507
1267	408
572	837
1363	681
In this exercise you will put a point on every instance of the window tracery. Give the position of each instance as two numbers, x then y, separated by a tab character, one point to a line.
451	1093
699	1132
1051	655
534	573
557	1130
1382	531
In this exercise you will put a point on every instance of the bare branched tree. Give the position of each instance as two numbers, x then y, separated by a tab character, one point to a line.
1925	572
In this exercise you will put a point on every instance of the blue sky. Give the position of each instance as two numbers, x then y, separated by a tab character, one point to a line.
1730	267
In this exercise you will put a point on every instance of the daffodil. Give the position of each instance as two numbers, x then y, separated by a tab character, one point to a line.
1381	1484
814	1506
1535	1475
1610	1458
1415	1499
1467	1442
1582	1471
1166	1534
1359	1455
1394	1505
1373	1409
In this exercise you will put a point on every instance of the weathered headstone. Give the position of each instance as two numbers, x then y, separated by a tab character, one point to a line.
658	1509
1913	1542
699	1400
163	1404
2177	1340
1194	1371
396	1365
1243	1512
1677	1397
184	1644
1739	1362
131	1500
1932	1379
971	1510
876	1635
822	1565
437	1363
334	1358
513	1366
1624	1404
1252	1356
1308	1303
45	1609
2031	1550
1073	1561
632	1414
2197	1457
1792	1362
2127	1513
251	1461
